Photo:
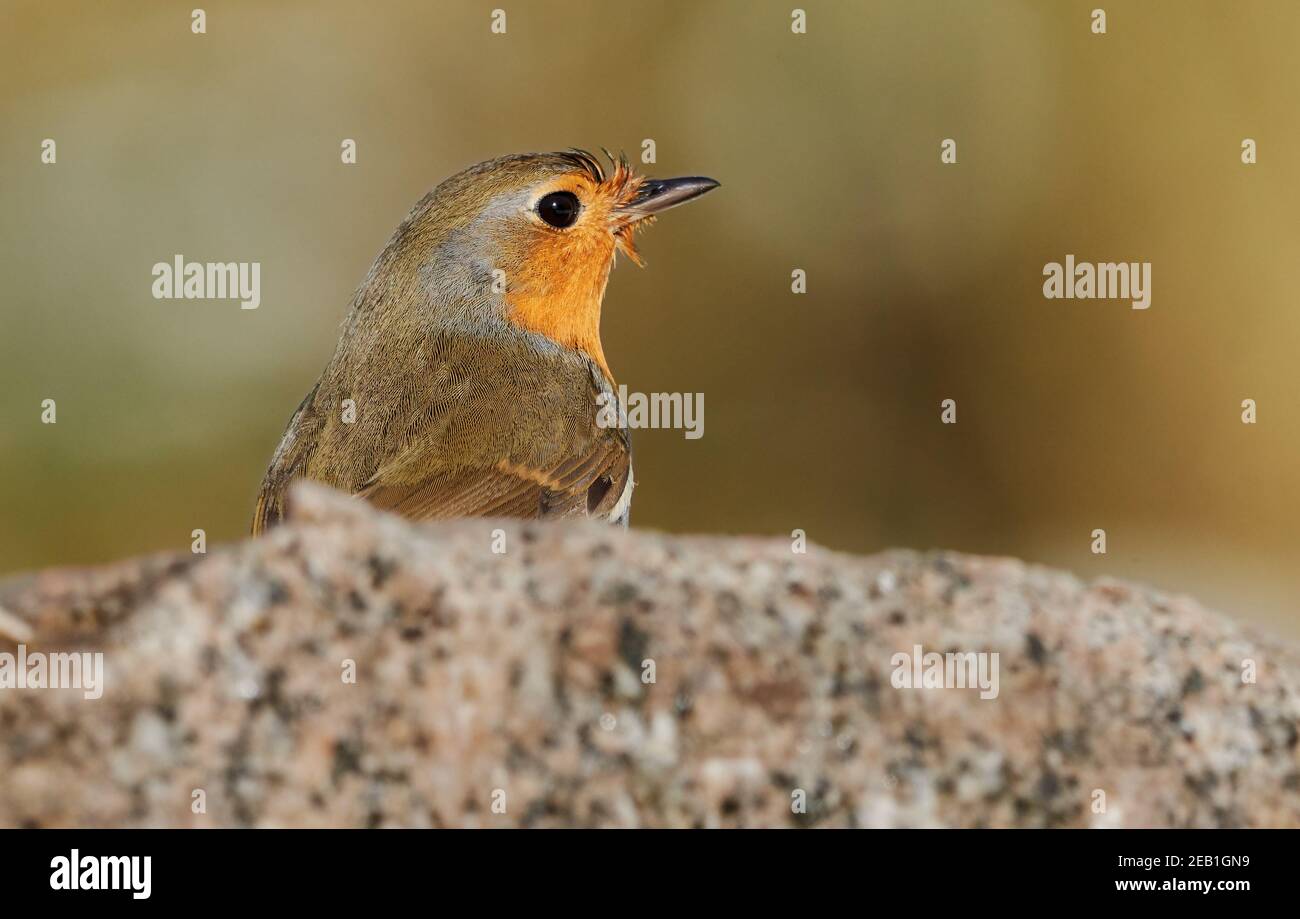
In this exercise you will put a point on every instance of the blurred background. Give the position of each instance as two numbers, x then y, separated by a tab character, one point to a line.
821	410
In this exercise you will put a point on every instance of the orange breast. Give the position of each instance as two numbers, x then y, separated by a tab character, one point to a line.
558	289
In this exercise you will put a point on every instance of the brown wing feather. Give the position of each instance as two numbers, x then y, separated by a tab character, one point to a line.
582	485
287	464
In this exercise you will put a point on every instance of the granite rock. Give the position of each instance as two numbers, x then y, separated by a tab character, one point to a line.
353	669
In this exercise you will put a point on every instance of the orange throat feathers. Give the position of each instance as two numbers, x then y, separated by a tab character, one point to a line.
561	298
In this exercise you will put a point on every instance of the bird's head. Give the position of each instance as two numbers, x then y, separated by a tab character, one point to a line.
540	231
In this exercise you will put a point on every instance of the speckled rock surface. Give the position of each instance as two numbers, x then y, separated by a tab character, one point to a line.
515	689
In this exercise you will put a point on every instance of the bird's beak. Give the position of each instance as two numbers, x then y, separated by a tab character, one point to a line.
658	195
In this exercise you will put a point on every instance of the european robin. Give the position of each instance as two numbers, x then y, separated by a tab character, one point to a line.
468	377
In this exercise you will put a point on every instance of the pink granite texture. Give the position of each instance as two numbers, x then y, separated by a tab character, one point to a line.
588	677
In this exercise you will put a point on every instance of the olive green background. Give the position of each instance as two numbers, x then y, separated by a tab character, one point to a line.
821	410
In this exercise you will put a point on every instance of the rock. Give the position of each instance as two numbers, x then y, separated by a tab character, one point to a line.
592	677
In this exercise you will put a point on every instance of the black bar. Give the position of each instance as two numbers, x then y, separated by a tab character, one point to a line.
331	868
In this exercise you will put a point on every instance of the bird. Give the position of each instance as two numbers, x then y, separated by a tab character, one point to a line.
469	376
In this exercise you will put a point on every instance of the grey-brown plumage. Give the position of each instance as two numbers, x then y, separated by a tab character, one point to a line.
507	430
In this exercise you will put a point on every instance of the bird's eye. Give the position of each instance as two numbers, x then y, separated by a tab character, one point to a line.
559	209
